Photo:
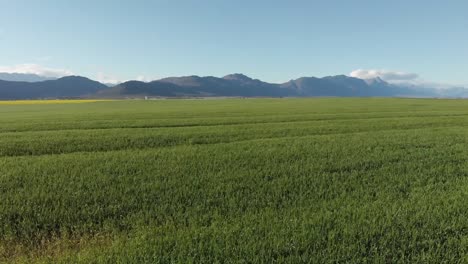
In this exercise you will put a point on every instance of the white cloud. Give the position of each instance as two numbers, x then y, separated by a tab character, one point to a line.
30	68
107	78
402	78
386	75
113	79
142	78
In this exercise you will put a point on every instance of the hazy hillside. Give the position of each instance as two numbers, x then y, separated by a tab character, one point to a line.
237	85
230	85
23	77
71	86
241	85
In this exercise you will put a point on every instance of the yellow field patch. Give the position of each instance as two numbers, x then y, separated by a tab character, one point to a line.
29	102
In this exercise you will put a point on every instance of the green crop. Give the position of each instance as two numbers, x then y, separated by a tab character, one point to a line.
326	180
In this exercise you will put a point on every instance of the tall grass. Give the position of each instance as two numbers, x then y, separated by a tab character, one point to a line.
242	181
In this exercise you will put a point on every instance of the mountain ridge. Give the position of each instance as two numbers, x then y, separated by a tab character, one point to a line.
231	85
69	86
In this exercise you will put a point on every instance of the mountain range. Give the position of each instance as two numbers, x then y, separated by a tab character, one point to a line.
233	85
70	86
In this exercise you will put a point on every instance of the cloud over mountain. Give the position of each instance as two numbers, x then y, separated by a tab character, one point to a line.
390	76
112	79
31	68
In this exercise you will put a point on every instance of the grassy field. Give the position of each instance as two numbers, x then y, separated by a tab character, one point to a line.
235	181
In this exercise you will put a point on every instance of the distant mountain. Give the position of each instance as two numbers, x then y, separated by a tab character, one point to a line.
238	77
23	77
343	86
138	88
328	86
243	86
71	86
233	85
374	81
455	92
434	90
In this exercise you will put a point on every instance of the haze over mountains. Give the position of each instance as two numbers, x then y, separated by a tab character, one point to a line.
28	86
23	77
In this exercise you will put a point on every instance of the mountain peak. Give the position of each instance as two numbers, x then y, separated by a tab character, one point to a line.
376	80
237	77
338	77
73	77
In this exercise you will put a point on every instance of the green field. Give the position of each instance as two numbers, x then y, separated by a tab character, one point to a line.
326	180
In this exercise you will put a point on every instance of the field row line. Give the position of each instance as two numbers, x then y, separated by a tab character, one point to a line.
263	139
227	124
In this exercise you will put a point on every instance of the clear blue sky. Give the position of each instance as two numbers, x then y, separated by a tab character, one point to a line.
271	40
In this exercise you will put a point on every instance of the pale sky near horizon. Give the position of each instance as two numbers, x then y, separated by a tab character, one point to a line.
271	40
